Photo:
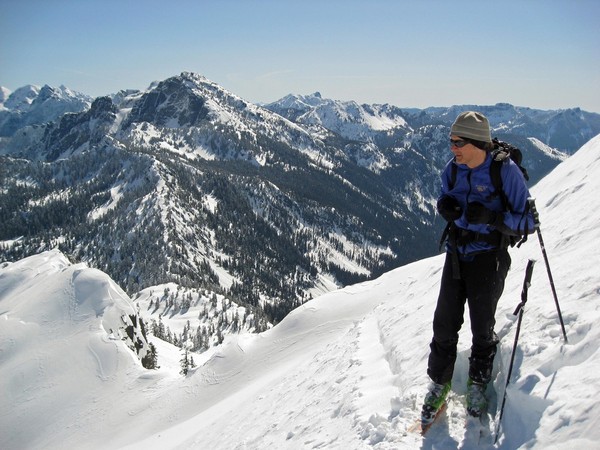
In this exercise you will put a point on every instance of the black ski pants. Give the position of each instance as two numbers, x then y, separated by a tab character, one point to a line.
481	284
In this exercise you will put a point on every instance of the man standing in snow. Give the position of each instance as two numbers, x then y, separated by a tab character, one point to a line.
477	259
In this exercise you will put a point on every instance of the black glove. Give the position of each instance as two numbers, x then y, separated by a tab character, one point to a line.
478	214
449	208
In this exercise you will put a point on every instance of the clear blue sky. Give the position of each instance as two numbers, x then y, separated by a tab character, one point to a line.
538	53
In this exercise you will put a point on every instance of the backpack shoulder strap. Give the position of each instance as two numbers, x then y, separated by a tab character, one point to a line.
453	171
499	158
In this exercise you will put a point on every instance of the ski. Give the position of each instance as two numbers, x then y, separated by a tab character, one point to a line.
474	429
418	426
477	430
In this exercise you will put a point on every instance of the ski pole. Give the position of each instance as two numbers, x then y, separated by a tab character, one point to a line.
519	310
536	216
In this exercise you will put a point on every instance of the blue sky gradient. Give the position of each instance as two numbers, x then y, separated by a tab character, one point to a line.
539	53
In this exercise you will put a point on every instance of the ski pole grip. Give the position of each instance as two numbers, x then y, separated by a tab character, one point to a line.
527	281
534	211
526	284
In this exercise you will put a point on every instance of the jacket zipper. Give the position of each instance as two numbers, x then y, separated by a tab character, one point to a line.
469	181
468	195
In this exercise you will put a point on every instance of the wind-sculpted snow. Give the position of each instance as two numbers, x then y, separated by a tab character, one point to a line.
67	333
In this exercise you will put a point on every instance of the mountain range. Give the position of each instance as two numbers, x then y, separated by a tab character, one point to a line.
187	186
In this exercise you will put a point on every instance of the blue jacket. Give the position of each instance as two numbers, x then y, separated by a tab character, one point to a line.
475	185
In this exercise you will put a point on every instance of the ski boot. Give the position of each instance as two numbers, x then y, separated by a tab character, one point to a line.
434	402
476	400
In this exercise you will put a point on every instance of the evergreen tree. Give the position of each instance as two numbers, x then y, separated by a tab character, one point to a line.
150	361
184	363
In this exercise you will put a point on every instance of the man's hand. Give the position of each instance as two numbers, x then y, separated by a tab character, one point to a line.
449	208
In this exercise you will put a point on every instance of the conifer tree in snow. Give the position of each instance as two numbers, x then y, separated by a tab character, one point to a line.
184	363
150	361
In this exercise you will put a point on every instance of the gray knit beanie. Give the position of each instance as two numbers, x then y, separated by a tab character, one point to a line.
472	125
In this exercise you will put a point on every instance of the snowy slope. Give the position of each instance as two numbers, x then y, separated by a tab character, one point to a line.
344	371
64	355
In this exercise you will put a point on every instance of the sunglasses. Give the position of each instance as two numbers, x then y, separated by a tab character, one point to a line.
459	143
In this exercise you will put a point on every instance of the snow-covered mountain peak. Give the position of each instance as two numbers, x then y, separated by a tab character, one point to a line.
4	94
184	100
32	105
220	124
301	102
21	99
31	97
349	119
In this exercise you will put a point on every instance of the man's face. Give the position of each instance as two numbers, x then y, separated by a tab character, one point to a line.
465	152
